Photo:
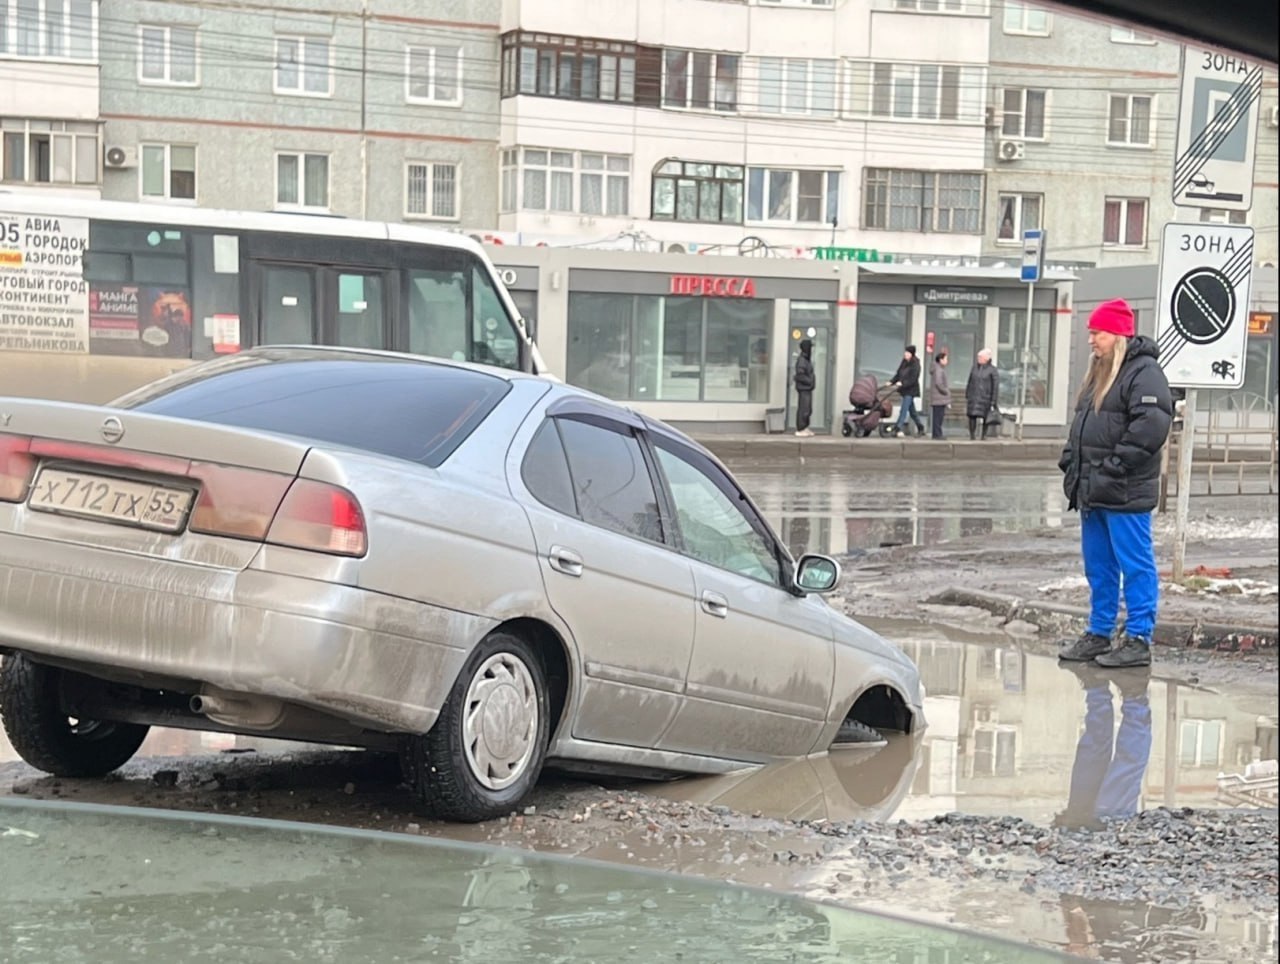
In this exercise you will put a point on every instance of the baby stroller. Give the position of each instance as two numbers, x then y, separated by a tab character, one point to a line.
869	407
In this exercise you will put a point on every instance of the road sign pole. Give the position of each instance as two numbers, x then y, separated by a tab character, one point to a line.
1186	450
1026	361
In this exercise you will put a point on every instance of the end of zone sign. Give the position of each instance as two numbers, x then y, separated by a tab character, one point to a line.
1202	309
1217	130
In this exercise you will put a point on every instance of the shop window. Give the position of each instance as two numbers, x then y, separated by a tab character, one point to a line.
1013	331
697	191
656	348
882	334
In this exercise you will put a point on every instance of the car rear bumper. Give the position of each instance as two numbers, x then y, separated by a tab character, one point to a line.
378	661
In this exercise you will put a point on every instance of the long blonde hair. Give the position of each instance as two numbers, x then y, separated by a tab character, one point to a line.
1102	374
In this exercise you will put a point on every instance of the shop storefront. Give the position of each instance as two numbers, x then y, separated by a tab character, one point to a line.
709	343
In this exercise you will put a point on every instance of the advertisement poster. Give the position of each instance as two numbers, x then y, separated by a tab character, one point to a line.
139	320
43	295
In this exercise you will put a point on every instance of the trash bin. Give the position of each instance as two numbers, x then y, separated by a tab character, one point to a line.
775	420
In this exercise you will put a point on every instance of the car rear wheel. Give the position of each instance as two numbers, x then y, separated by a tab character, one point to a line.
50	740
484	755
853	733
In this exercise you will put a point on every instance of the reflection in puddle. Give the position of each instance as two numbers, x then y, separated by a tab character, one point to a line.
1013	733
835	509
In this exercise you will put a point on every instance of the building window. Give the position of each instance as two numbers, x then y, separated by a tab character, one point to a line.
169	171
1018	213
796	3
1124	222
1013	333
1219	216
934	6
303	66
1026	18
926	92
567	182
1023	113
697	191
550	65
302	181
698	80
1127	35
433	75
55	29
1129	123
48	152
167	55
675	349
431	191
793	197
1200	743
791	86
928	201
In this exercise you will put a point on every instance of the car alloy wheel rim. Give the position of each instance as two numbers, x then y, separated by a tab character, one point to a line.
500	721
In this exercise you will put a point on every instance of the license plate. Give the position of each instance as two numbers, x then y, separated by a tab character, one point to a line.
123	501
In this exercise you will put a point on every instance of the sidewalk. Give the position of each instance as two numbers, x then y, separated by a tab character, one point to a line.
915	449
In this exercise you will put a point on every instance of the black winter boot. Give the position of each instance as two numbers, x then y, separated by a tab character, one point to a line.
1134	652
1088	646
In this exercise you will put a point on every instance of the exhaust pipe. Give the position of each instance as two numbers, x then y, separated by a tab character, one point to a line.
205	705
238	709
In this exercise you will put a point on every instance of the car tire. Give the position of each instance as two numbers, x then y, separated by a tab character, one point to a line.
46	738
852	732
457	770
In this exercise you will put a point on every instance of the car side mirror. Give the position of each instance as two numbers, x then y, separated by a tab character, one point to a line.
815	573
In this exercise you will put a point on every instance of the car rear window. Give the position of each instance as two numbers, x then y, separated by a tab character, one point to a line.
403	408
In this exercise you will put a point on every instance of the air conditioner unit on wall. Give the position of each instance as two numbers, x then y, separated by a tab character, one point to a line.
1011	150
117	156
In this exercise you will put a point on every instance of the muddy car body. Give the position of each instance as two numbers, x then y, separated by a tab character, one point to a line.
482	570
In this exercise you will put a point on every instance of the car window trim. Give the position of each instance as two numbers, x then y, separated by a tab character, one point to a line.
720	478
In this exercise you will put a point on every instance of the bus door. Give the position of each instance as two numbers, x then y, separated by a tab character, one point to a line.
323	305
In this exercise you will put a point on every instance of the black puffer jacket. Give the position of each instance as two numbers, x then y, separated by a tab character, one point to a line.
1112	456
908	377
983	390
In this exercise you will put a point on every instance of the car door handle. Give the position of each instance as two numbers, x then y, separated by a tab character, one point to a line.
565	560
715	604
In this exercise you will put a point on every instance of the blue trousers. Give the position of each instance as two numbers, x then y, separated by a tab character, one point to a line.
1118	551
1106	778
908	410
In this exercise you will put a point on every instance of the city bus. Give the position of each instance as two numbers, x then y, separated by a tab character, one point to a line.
99	297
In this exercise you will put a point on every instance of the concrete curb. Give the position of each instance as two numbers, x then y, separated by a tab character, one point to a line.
1182	634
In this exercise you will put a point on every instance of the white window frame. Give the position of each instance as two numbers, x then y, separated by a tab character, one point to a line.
1223	216
1022	27
167	80
795	173
303	65
1128	143
1198	727
1128	35
509	187
300	204
577	171
428	214
966	77
1124	203
936	7
1019	214
433	52
52	130
167	196
784	88
687	100
10	36
1021	134
819	4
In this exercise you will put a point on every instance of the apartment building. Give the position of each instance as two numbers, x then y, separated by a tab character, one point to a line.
50	126
383	109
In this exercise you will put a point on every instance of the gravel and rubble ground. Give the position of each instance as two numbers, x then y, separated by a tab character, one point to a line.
1166	885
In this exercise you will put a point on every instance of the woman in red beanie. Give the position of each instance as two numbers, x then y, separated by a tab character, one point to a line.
1111	464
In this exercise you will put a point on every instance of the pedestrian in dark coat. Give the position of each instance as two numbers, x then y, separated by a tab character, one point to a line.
982	394
907	381
806	380
939	392
1111	473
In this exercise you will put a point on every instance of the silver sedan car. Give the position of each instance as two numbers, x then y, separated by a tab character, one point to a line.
483	571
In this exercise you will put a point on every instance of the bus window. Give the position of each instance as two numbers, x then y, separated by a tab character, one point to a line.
494	332
437	312
288	306
361	321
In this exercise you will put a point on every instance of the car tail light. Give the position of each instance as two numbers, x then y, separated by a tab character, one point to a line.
321	517
236	502
17	466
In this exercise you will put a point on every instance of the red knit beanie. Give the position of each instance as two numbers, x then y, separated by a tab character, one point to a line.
1113	316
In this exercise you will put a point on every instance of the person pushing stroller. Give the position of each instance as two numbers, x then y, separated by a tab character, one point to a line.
907	381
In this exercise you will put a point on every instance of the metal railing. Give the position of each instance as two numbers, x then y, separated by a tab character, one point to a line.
1236	453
